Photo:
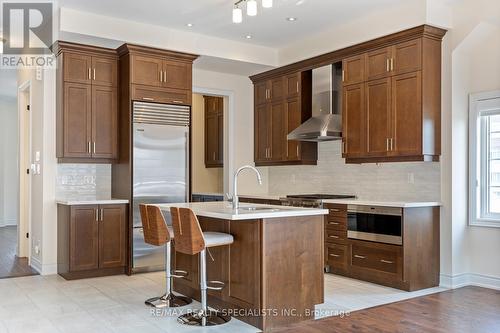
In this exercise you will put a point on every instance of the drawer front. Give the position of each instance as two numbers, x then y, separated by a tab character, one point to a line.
335	236
336	210
336	256
335	223
385	260
161	95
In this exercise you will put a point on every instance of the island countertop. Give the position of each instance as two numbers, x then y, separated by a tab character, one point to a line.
223	210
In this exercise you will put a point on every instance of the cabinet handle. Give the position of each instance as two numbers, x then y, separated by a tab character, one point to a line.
333	236
165	76
388	66
93	147
334	255
102	214
391	143
297	150
89	74
359	257
88	147
214	156
392	64
94	74
386	261
343	75
148	99
177	101
161	76
97	215
336	210
344	147
333	223
387	144
297	86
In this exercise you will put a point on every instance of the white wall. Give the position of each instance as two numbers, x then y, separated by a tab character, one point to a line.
8	164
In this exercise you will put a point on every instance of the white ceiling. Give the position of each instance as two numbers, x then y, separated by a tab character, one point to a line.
213	17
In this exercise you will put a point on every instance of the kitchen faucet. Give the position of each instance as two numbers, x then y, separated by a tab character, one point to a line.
235	200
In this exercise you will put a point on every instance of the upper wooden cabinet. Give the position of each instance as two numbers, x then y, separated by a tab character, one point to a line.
155	75
353	69
87	103
214	131
281	105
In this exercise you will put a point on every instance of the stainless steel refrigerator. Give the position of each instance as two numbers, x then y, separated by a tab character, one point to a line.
160	169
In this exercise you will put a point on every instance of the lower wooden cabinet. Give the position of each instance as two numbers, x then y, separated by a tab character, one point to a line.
91	240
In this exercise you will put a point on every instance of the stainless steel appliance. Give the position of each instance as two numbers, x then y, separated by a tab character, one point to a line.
160	169
311	200
326	121
376	224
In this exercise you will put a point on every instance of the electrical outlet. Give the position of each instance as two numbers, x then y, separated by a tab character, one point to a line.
411	178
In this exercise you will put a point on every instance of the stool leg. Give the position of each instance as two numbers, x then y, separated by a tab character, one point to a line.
168	300
203	287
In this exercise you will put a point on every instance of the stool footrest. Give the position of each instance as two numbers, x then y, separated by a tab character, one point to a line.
215	285
179	274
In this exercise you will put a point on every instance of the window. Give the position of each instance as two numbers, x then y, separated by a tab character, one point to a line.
484	159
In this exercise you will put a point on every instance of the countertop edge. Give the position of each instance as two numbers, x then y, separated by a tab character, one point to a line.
400	204
92	202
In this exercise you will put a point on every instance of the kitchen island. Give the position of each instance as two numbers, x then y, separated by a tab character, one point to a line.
273	272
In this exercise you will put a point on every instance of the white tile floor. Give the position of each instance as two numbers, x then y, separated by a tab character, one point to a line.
116	304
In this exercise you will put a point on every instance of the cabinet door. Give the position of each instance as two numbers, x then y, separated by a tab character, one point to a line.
112	235
104	71
262	125
146	70
77	68
277	90
77	120
406	114
293	120
260	93
407	57
84	238
292	85
104	122
278	132
378	111
378	63
353	117
353	69
211	138
176	75
220	141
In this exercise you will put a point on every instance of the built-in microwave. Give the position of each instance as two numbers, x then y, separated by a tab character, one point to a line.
375	224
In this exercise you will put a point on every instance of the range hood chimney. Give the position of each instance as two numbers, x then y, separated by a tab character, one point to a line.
326	121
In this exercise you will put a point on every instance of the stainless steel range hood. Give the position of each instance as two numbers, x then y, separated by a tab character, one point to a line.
326	122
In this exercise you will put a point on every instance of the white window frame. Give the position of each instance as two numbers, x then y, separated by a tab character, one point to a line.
478	211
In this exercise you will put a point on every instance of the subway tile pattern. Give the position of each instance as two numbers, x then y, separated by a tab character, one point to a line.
384	181
83	181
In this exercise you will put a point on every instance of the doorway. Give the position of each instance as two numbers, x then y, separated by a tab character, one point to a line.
16	184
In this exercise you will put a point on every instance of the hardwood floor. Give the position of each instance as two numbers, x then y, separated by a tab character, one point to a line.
464	310
10	264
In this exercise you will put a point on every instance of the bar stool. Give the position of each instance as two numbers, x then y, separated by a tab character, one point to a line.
157	233
189	239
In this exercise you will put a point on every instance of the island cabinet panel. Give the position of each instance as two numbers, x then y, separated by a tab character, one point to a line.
281	105
87	104
268	260
91	240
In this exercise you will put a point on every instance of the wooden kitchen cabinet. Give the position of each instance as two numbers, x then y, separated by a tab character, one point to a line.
353	69
281	105
378	117
353	121
87	103
214	131
91	240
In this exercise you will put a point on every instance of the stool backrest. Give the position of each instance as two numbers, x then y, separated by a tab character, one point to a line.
154	225
187	232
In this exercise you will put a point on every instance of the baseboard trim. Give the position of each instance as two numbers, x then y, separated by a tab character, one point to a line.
8	223
36	264
43	269
469	279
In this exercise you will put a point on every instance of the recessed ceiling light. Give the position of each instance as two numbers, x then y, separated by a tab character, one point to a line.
248	36
189	25
291	19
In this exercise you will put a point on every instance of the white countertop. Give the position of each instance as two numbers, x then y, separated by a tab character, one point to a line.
262	196
73	202
400	204
223	210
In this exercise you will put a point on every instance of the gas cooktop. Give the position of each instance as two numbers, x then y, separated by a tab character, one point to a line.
321	196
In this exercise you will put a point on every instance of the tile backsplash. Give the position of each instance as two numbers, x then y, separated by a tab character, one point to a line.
83	181
412	181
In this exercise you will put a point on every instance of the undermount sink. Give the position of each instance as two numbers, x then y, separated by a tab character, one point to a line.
255	208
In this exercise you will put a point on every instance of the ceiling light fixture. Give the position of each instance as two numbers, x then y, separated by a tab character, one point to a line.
237	15
267	3
251	7
291	19
189	25
248	36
